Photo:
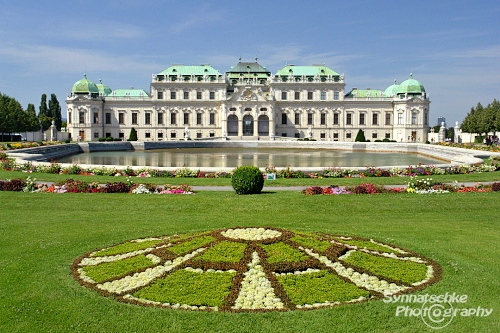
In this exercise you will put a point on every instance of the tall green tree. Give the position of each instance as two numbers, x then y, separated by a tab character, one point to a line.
32	122
43	114
55	111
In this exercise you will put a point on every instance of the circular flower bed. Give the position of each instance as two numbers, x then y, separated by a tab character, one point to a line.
253	269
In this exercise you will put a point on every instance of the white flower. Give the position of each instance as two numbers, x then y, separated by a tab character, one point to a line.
256	289
251	233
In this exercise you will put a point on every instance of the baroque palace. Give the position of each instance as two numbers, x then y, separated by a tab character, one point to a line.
248	102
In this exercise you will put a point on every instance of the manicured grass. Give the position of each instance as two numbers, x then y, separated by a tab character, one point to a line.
41	234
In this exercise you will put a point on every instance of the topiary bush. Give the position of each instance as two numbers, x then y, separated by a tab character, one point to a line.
360	137
247	179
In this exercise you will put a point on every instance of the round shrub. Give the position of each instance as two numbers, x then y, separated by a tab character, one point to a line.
247	180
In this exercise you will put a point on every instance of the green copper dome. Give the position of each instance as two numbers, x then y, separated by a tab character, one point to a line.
411	86
104	90
391	90
84	86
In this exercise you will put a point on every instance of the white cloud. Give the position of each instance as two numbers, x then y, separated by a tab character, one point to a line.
42	59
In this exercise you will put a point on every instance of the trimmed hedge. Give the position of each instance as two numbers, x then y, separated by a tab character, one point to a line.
247	180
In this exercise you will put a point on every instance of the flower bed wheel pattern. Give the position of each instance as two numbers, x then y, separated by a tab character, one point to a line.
253	269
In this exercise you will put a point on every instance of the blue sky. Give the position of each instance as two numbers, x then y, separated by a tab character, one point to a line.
451	47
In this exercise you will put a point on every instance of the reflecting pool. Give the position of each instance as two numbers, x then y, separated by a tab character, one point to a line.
260	157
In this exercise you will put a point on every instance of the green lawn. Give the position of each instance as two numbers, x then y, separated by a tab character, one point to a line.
41	234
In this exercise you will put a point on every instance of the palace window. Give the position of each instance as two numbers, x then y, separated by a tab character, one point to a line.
147	118
147	135
413	118
309	119
160	94
172	95
212	118
322	135
134	118
160	118
348	119
283	118
198	95
375	119
173	118
297	95
323	95
283	95
108	118
336	95
323	119
121	118
335	136
198	118
400	119
232	109
160	135
297	118
309	95
387	135
362	119
186	118
96	135
212	95
426	121
173	135
348	135
387	118
212	134
81	117
186	95
335	118
96	118
374	135
69	117
198	135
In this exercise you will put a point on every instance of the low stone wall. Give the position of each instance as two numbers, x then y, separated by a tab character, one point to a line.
45	153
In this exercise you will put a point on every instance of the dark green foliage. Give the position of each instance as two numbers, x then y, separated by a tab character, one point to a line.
482	120
247	180
360	137
55	111
133	135
12	116
495	187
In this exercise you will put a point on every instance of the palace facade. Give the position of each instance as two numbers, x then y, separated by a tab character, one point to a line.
251	103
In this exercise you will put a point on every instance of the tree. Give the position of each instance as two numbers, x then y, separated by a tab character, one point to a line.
43	107
55	111
133	135
12	115
33	124
360	137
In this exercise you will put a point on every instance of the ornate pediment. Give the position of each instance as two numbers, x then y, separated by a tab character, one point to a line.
247	94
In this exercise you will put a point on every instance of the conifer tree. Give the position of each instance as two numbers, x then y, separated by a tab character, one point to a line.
360	137
55	111
133	135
